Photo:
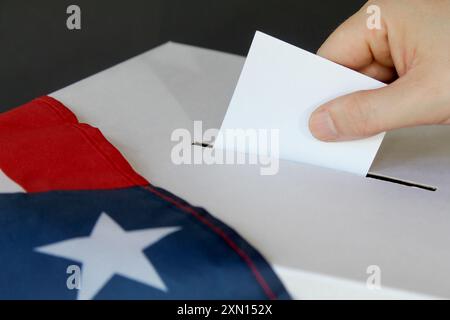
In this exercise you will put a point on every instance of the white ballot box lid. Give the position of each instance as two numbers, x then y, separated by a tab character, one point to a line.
329	234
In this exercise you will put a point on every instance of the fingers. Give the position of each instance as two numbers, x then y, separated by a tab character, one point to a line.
356	46
347	45
379	72
420	96
366	113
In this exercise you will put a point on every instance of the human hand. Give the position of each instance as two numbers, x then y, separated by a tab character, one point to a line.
411	51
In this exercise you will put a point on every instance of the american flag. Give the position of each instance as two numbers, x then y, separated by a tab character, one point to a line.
77	222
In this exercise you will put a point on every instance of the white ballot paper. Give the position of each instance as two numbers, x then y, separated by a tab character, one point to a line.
279	87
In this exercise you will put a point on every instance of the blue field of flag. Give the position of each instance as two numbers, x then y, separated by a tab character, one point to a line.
133	243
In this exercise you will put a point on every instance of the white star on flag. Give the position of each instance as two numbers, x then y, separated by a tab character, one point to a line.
111	250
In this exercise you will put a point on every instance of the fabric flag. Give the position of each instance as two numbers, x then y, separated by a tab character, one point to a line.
43	147
90	227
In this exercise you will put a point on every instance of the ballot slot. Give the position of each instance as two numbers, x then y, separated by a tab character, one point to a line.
200	144
401	182
370	175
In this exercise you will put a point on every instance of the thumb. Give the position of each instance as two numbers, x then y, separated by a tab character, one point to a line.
366	113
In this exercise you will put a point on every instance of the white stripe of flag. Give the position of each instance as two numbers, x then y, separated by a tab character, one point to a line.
7	185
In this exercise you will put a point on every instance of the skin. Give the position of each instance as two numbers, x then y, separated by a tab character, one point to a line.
411	52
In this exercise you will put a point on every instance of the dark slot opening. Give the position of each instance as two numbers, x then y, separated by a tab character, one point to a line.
204	145
369	175
401	182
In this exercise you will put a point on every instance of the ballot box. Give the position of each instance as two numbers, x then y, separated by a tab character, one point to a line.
329	234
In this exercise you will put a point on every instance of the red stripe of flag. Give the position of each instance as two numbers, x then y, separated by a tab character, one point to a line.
43	147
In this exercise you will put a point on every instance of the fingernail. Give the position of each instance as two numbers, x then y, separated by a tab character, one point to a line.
322	126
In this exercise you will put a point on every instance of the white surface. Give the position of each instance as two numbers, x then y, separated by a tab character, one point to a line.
311	286
309	219
7	185
279	87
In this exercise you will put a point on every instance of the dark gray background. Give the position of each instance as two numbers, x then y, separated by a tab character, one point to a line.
38	54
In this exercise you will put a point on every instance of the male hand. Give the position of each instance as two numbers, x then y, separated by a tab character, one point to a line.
411	51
